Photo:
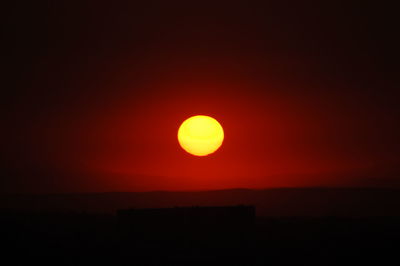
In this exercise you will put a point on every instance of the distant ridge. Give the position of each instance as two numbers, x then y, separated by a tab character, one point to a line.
311	201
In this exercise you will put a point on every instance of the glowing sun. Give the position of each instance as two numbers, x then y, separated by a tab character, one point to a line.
200	135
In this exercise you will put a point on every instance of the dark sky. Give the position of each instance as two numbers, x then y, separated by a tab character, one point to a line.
94	92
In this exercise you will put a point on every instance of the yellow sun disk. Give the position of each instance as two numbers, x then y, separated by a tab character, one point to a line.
200	135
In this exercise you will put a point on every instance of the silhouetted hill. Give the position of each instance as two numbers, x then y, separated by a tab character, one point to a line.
269	202
224	235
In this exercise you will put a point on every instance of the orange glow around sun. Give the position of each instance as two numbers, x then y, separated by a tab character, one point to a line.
200	135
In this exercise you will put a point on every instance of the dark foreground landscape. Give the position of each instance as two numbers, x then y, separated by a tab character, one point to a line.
239	227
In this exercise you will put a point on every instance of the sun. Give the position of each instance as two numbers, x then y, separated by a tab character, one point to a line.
200	135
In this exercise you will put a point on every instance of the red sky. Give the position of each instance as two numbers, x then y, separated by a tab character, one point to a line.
96	98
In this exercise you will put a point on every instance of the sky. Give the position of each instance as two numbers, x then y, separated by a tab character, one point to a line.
94	93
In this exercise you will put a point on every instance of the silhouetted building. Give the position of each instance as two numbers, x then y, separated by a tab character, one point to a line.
190	216
204	225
